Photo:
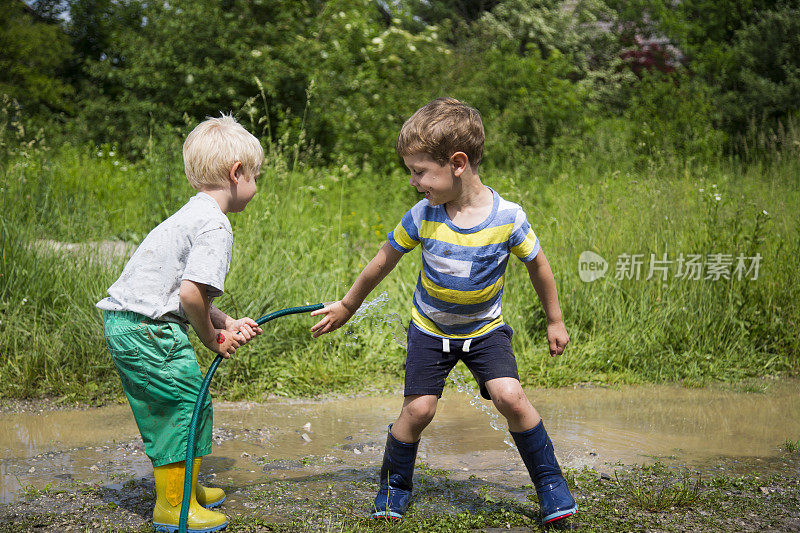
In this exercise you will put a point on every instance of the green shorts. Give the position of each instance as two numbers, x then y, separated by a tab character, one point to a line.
161	378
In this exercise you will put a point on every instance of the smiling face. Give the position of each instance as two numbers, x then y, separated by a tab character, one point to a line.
437	182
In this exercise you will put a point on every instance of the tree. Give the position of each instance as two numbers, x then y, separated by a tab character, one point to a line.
747	51
435	12
33	54
148	67
766	84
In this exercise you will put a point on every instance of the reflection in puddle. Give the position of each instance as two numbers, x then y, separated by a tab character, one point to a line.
591	427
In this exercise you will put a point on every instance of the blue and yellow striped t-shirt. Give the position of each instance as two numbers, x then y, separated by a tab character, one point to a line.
460	287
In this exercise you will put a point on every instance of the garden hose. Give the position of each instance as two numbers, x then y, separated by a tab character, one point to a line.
201	397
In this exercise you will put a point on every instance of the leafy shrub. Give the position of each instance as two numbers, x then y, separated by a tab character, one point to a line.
675	116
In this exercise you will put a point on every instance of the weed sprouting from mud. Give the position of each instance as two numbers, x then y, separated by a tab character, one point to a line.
666	494
791	446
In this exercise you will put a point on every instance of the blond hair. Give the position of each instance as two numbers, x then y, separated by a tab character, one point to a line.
440	129
212	148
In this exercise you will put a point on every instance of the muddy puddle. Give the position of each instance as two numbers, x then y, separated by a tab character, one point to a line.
289	439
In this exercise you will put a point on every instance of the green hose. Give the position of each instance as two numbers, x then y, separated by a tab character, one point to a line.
201	397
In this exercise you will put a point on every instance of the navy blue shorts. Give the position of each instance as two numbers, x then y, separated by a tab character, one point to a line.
428	364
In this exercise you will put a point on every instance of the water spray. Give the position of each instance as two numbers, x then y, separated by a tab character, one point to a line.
201	397
463	386
376	309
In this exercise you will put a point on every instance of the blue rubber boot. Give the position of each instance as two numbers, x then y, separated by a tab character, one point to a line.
536	450
394	495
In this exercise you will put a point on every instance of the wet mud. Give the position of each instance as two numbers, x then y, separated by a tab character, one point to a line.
285	460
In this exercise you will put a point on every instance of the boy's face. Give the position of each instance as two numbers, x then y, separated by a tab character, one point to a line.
245	189
437	182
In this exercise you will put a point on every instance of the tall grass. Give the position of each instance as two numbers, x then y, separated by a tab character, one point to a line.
309	231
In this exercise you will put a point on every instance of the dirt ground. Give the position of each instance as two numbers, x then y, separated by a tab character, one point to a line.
332	492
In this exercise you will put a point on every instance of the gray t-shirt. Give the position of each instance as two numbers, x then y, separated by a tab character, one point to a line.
194	244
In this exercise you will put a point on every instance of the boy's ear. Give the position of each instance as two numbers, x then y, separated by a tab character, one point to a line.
234	172
459	162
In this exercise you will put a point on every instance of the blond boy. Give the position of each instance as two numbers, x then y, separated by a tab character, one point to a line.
167	285
467	232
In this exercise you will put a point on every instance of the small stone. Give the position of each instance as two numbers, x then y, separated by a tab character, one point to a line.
94	468
245	454
307	427
605	477
356	451
31	470
306	437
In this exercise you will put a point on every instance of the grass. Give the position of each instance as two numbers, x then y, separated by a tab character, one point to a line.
30	491
666	495
672	501
309	231
791	446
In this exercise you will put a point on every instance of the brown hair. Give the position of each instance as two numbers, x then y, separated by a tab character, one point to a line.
440	129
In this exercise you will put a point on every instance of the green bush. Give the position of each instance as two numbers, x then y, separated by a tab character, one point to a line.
675	116
766	80
535	103
33	58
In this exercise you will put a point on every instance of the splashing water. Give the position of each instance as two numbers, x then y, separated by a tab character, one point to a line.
475	401
375	311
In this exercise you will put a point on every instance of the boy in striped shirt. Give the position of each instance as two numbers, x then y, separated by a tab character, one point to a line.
467	232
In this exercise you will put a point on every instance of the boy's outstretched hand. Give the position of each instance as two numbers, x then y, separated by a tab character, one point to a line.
336	315
557	337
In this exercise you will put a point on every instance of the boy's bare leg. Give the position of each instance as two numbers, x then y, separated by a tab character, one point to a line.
509	398
534	447
417	413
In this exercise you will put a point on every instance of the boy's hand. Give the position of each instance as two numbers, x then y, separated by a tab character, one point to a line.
336	315
557	337
246	326
226	342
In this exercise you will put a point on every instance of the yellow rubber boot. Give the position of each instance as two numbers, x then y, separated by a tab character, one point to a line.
208	497
169	493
